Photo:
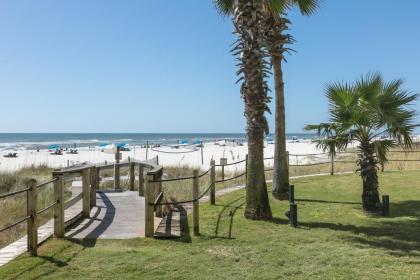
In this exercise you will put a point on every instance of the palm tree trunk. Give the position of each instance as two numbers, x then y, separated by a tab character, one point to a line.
251	56
281	168
368	171
257	206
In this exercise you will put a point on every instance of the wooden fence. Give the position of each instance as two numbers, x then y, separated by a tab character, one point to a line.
89	175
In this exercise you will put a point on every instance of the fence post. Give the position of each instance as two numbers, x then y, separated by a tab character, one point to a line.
213	182
293	215
116	176
157	159
93	185
141	180
132	177
149	228
385	205
382	166
196	218
147	149
32	220
158	189
291	193
86	193
59	208
332	164
117	170
202	156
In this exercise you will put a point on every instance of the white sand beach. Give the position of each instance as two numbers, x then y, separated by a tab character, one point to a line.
168	156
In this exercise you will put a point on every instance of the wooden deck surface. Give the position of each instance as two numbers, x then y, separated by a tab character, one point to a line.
118	215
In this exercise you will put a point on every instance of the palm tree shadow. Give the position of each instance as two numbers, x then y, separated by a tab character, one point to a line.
232	212
398	234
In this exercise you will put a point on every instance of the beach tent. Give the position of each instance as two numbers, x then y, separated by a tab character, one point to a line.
183	142
53	147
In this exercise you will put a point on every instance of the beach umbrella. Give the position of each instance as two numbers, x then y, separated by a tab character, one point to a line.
121	145
103	145
53	147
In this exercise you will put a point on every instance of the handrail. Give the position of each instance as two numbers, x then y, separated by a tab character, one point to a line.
14	224
14	193
48	182
48	207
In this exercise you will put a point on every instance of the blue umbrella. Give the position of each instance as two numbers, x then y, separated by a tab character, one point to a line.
53	147
103	145
121	145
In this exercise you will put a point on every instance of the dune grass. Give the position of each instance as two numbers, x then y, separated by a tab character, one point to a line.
335	240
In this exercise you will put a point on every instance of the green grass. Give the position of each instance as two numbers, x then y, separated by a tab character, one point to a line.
335	240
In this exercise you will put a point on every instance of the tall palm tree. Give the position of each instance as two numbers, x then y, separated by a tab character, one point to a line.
250	53
276	40
365	110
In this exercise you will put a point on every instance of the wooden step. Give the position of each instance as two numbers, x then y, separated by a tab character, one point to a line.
172	225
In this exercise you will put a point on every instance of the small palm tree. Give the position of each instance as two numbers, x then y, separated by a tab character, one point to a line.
364	112
276	40
329	139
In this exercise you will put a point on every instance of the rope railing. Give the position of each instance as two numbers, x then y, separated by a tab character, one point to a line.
179	202
228	164
232	178
178	152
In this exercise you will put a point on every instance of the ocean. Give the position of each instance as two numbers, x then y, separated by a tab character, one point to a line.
32	141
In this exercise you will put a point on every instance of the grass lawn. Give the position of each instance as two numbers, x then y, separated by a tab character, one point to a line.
335	240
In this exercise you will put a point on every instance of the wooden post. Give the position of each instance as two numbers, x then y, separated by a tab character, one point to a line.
196	203
141	180
291	193
332	164
213	182
157	159
385	205
147	149
132	176
117	185
93	185
202	156
293	215
382	166
158	189
149	228
32	195
85	193
59	207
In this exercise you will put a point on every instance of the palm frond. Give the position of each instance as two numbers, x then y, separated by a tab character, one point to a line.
224	7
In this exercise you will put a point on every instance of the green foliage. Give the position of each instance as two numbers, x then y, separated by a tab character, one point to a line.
369	108
334	240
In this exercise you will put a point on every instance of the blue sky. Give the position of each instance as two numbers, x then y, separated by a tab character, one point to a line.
164	66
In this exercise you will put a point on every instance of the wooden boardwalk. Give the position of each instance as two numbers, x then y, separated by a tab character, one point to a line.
118	215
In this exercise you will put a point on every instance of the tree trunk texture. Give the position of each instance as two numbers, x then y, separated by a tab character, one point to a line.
258	206
251	54
281	168
368	171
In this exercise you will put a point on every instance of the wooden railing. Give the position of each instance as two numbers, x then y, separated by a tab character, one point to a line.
89	175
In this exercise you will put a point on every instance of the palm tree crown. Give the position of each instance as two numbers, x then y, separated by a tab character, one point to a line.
375	114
